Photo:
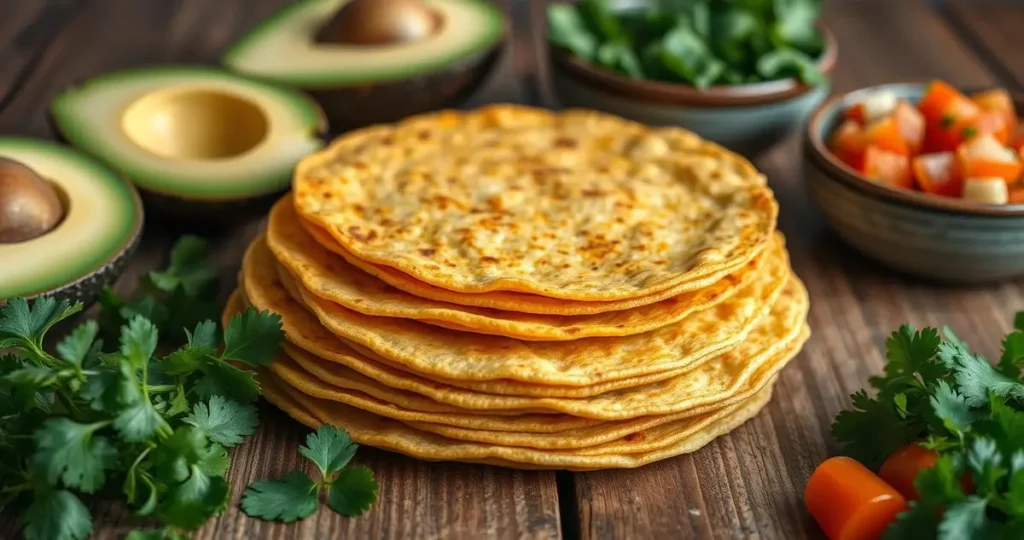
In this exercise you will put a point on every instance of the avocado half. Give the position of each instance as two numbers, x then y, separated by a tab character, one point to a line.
362	84
87	250
201	143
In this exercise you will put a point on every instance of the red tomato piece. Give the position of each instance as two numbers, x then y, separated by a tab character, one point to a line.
936	174
848	143
912	125
985	157
849	501
889	168
946	112
902	467
1016	195
856	113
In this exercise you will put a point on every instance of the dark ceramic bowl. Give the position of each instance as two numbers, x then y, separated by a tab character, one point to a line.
935	237
748	117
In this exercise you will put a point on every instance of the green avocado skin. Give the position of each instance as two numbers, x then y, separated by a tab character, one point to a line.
351	107
87	289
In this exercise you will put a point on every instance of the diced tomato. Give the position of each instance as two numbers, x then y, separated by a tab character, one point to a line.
889	168
988	122
1000	101
946	112
848	144
985	157
936	174
1017	141
902	467
912	125
887	135
1016	195
850	502
856	113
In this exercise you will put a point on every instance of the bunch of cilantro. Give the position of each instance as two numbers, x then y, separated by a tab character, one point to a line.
696	42
938	393
120	419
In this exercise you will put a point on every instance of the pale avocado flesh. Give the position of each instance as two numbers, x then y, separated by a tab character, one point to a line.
192	132
88	248
282	49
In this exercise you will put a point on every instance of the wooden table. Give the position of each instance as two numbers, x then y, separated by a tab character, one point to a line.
745	484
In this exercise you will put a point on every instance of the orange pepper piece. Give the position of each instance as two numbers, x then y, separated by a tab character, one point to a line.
998	100
850	502
887	135
889	168
988	163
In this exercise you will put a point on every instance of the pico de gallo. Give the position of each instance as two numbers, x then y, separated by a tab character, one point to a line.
947	144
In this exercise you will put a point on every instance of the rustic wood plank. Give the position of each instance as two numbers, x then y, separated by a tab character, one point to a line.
418	499
993	28
749	483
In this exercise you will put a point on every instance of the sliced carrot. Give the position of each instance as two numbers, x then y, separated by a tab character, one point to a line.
936	174
887	135
902	467
985	157
889	168
912	125
848	143
849	501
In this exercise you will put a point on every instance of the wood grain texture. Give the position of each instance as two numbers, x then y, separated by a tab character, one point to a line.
46	46
994	29
749	483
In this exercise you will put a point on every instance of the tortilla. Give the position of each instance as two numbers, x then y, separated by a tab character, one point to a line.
329	277
430	351
575	204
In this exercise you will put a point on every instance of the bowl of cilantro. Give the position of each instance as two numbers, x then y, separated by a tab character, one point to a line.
742	74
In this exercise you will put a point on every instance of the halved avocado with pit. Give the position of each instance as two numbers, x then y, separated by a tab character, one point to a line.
362	75
98	227
197	141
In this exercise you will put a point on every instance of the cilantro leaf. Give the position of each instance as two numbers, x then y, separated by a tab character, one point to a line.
189	268
69	451
910	352
204	336
214	461
30	323
1015	498
951	408
940	482
918	521
291	497
138	341
1013	354
57	515
976	377
329	448
167	533
185	360
353	491
871	430
140	421
189	504
1009	425
567	29
74	348
225	422
221	378
253	337
963	519
985	461
1018	320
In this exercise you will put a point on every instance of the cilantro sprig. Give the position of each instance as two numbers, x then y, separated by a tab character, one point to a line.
936	392
293	496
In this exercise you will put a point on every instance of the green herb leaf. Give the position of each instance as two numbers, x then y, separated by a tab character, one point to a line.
330	448
252	337
57	515
353	492
1013	354
224	379
167	533
138	341
964	519
189	268
225	422
291	497
951	408
789	62
189	504
204	336
70	452
74	348
976	377
918	521
30	323
567	29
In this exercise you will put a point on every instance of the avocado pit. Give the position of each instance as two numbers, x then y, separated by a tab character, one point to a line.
29	206
380	22
194	124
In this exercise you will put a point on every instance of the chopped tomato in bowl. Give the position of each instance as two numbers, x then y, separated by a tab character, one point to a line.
943	143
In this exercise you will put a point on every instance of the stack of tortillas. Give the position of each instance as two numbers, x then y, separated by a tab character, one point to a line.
526	288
